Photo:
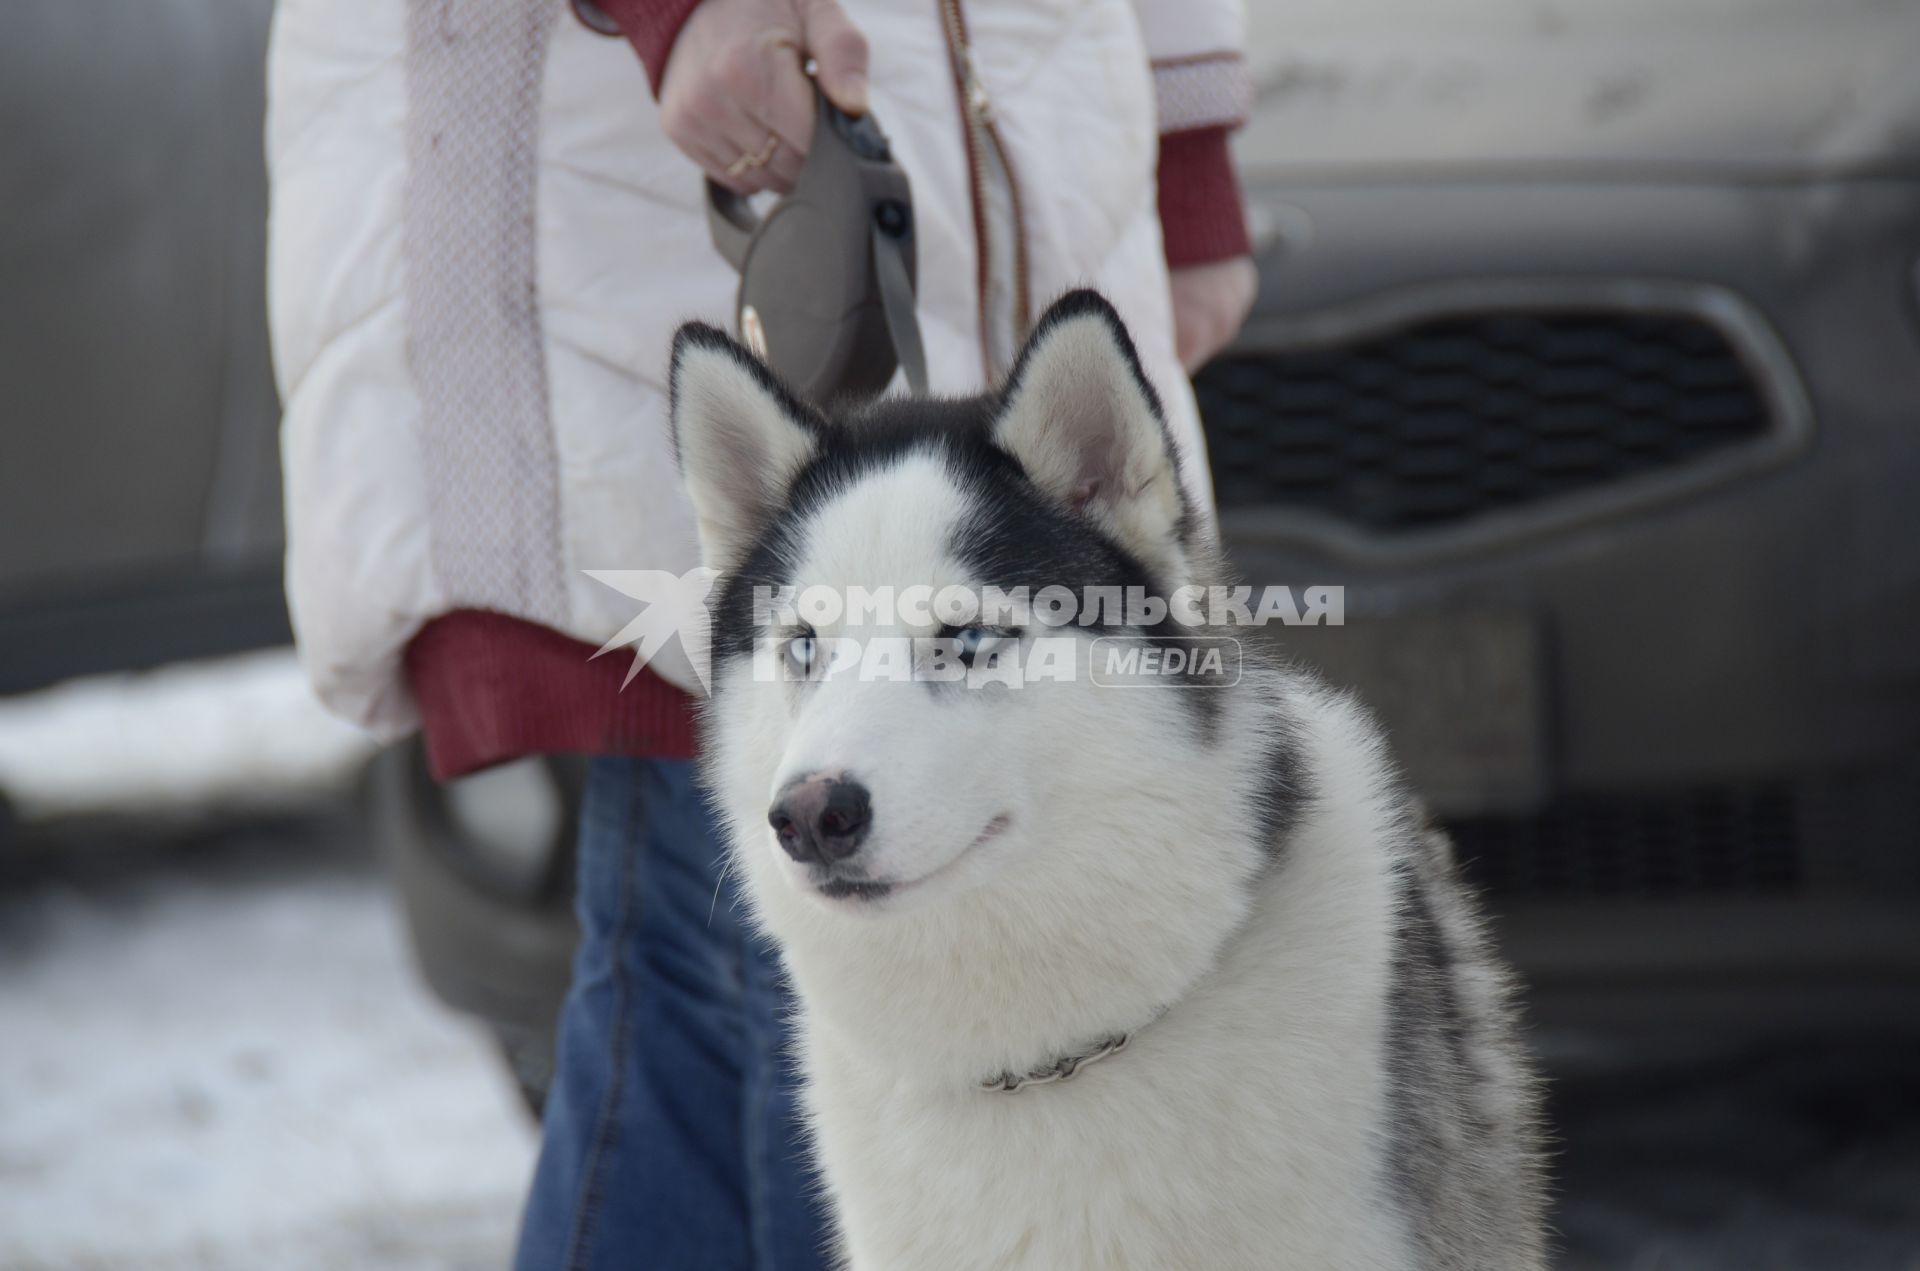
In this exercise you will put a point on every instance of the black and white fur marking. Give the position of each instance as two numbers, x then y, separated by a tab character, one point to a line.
1323	1070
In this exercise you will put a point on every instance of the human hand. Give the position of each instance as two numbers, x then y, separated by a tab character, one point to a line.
1210	302
733	96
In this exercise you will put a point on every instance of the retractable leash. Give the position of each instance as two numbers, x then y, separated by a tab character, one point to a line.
827	275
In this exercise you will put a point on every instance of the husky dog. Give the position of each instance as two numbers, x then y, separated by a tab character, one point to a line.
1214	908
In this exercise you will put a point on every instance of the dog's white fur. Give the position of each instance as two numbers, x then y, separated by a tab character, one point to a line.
1247	1125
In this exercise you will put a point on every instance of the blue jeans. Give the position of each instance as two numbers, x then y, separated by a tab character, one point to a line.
671	1137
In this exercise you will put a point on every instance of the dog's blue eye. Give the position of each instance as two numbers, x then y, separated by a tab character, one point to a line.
799	653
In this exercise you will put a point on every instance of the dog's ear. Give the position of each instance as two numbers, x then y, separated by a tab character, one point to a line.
741	437
1080	416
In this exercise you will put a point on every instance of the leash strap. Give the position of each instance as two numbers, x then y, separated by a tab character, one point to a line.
896	300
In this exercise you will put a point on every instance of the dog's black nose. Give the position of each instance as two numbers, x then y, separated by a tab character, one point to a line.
820	819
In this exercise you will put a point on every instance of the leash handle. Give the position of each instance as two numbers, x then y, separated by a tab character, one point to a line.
827	273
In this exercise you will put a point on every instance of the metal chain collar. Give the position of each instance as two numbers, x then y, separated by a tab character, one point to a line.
1066	1068
1061	1070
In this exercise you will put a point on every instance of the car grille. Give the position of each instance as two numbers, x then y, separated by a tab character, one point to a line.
1743	841
1826	833
1444	420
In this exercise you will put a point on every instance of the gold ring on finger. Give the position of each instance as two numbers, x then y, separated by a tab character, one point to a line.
746	162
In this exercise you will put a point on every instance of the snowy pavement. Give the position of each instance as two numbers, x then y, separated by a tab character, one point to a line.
214	1056
218	1057
241	732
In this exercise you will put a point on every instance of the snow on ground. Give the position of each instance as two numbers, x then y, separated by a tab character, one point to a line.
224	1061
234	732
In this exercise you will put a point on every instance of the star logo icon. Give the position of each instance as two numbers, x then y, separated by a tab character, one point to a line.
672	605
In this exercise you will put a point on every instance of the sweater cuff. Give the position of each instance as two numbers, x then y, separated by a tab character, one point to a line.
491	687
651	26
1201	217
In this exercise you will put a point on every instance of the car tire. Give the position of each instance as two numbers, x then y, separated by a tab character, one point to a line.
492	933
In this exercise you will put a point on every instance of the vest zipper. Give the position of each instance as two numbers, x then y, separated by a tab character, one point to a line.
987	157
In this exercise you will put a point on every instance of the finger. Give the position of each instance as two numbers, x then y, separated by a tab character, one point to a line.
740	179
710	128
786	105
716	170
736	116
783	170
769	96
750	140
839	50
716	158
787	113
731	135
